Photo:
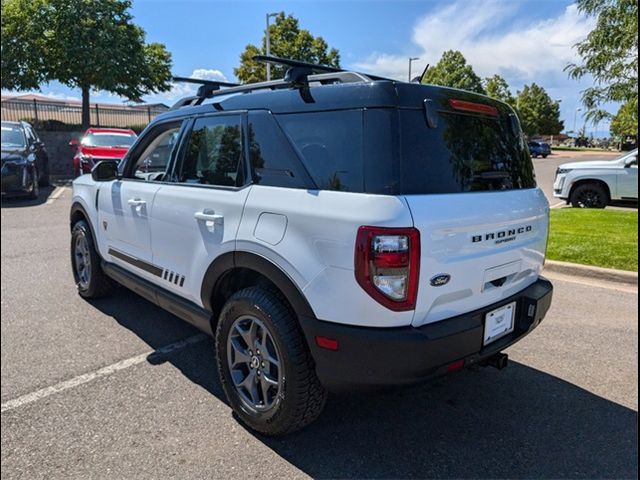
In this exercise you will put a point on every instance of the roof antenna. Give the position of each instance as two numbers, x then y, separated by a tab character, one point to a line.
421	77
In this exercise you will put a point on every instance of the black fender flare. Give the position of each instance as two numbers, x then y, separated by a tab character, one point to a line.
239	259
78	208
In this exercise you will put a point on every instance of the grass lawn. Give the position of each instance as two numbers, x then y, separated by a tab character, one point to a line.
604	238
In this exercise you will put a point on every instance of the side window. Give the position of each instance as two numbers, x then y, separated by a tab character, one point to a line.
213	154
331	147
273	161
152	163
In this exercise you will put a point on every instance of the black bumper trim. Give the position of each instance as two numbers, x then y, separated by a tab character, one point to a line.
376	357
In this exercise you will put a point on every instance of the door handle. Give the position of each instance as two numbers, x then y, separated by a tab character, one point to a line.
136	202
208	216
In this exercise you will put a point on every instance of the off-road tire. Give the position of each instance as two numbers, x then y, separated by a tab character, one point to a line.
303	397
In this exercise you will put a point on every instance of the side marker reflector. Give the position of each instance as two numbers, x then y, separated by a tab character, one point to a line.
328	343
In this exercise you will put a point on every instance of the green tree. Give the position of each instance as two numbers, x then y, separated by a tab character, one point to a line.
610	52
85	44
538	113
498	88
625	122
452	70
287	40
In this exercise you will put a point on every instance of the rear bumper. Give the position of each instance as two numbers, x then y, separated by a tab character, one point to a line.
376	357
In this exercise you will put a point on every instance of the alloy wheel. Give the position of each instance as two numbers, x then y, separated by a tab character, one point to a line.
255	364
82	258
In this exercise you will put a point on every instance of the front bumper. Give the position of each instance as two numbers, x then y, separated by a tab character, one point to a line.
377	357
15	179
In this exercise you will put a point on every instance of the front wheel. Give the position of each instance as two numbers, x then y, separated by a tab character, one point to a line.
90	280
34	189
589	195
264	365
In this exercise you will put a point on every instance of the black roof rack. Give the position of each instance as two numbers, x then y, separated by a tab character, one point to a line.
297	76
206	89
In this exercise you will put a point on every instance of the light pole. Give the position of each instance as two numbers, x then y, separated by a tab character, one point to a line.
411	59
575	116
269	15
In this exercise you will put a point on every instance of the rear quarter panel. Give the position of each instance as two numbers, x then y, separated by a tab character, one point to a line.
311	236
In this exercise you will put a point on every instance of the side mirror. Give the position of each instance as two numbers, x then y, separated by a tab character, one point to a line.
631	162
104	171
74	142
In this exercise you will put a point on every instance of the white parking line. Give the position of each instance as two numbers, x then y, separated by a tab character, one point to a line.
103	372
559	204
55	195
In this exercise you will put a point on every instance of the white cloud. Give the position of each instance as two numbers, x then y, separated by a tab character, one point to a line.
498	36
493	37
181	89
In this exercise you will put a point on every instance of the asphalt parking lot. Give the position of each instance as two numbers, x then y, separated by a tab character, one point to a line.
118	388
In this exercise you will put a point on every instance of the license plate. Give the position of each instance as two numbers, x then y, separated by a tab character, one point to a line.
499	322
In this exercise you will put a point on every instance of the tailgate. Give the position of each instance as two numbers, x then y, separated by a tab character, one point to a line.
491	244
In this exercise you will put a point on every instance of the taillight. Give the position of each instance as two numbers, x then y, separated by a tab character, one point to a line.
387	264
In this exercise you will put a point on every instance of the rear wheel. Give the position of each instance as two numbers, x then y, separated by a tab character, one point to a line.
589	195
90	280
264	365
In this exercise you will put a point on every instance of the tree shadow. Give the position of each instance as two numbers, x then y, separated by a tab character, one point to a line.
517	423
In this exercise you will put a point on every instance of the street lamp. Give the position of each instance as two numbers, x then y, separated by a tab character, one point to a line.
269	15
575	116
411	59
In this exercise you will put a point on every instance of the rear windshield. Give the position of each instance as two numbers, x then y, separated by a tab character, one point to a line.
113	140
464	153
394	151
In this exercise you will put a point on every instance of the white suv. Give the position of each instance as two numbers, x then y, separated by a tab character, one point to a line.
595	184
331	230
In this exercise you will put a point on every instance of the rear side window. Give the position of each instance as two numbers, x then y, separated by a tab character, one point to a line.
273	161
464	153
213	153
330	144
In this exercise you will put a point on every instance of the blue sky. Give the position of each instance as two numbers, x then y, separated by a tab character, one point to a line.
524	41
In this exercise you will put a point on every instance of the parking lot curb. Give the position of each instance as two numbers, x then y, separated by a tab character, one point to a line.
596	273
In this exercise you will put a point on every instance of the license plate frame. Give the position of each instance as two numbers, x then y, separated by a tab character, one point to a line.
499	322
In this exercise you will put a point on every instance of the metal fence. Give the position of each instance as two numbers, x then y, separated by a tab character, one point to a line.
101	116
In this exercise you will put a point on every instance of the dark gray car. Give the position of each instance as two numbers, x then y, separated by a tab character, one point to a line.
25	163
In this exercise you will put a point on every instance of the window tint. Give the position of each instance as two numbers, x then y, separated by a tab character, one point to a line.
273	160
330	144
151	165
213	155
465	153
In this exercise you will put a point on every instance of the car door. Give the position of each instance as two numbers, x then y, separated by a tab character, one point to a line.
628	178
125	205
196	215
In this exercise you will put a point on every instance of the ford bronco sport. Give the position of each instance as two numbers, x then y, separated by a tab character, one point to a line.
331	230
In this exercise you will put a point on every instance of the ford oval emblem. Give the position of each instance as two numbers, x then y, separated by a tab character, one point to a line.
440	279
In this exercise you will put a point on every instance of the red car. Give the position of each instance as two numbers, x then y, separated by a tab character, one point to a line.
100	144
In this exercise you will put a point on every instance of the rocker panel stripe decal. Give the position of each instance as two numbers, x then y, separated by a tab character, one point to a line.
136	262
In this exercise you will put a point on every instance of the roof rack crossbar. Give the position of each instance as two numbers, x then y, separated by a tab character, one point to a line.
203	81
295	63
